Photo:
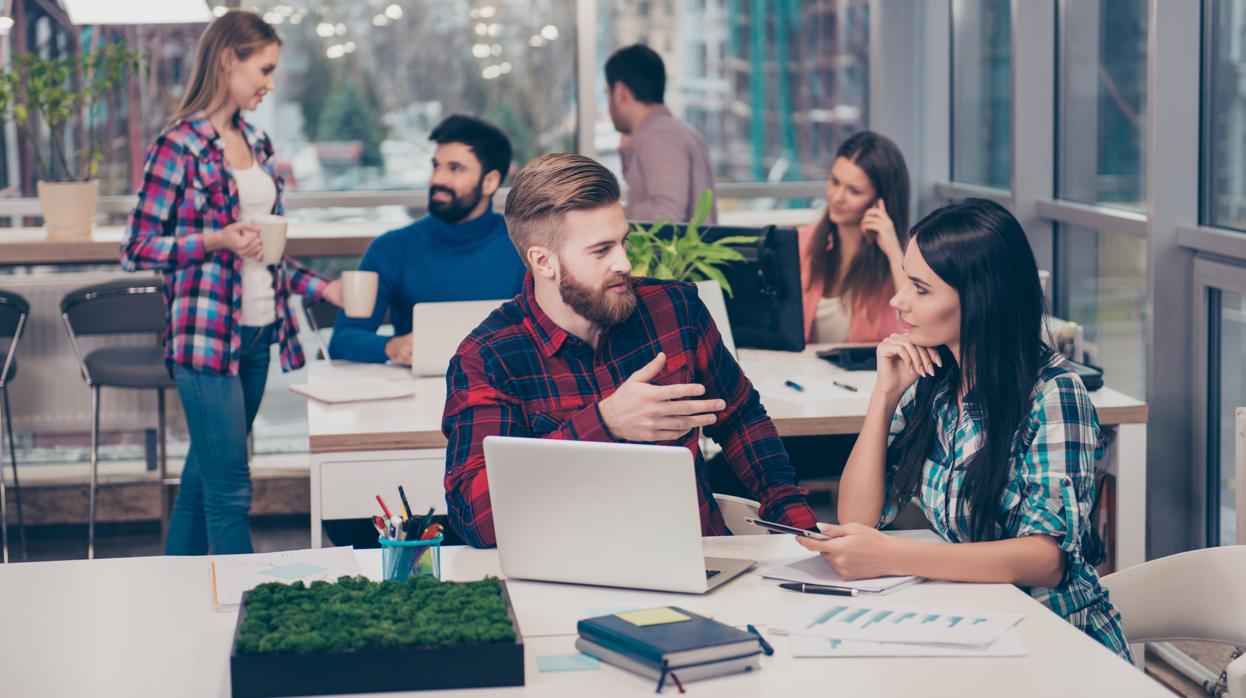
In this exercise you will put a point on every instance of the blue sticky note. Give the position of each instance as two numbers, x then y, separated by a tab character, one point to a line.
294	570
567	662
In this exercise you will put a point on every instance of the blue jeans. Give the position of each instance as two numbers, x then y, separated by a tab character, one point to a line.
213	506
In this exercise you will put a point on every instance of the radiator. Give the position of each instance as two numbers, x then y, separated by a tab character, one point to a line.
49	393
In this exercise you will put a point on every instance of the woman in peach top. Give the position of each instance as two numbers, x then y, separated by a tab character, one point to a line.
850	258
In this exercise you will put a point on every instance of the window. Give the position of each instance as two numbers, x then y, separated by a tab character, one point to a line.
1102	114
362	84
773	87
982	93
1227	385
1224	114
1102	286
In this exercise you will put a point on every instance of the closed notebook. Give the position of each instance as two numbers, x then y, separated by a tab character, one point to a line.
693	641
687	672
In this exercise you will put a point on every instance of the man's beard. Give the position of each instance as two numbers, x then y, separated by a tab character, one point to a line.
599	306
455	209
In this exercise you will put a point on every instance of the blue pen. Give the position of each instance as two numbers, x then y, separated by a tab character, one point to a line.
795	386
765	646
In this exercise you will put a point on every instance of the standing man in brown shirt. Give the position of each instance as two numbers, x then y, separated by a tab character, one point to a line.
665	161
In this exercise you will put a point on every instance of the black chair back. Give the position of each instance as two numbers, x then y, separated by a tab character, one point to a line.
116	307
12	309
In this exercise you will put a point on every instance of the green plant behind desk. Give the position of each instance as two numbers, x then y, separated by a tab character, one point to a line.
684	256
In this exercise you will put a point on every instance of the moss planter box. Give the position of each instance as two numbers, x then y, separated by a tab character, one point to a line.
358	636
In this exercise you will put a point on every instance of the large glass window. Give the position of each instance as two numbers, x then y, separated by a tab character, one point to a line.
1102	114
1228	384
1102	287
775	87
982	92
359	85
1224	110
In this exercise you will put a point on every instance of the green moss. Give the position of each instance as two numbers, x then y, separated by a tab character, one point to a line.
358	614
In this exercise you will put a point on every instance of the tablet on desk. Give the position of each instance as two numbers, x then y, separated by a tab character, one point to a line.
862	357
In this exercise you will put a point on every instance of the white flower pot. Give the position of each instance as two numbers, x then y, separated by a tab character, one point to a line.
68	208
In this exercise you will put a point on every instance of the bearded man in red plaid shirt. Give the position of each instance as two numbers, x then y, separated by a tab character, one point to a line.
587	352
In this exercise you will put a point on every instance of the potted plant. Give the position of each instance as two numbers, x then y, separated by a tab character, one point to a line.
684	256
59	93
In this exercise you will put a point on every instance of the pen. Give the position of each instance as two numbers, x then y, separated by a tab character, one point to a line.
845	386
795	386
818	589
765	646
406	508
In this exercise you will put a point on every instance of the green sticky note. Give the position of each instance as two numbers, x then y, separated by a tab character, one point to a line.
653	616
567	662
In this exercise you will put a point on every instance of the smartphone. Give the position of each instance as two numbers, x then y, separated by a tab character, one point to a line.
783	528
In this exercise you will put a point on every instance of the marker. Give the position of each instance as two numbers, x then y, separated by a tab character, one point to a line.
379	524
795	386
845	386
396	522
765	646
383	507
818	589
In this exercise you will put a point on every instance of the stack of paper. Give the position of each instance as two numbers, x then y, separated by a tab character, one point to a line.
848	628
234	574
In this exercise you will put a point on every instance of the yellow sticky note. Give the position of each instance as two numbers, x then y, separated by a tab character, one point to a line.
653	616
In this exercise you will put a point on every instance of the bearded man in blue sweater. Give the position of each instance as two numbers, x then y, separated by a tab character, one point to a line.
459	252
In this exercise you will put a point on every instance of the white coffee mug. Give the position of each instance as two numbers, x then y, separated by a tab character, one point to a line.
359	293
272	237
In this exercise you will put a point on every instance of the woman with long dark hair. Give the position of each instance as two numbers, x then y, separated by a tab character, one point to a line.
975	419
850	258
208	176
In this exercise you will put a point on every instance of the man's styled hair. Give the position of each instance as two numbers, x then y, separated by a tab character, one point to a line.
641	69
546	189
487	141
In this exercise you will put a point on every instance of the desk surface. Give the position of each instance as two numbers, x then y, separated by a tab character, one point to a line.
822	408
145	627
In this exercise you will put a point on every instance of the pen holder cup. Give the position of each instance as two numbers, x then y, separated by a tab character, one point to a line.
402	558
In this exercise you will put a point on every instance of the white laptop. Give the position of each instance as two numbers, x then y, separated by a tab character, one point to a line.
437	330
621	515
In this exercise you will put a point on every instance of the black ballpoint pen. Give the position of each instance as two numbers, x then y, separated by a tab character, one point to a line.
818	589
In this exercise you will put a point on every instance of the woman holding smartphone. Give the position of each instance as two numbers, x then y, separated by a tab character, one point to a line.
207	175
850	258
979	422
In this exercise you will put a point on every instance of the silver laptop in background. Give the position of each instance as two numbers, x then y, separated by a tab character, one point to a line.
437	330
608	514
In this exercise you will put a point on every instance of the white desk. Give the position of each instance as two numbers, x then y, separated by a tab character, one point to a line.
141	627
360	449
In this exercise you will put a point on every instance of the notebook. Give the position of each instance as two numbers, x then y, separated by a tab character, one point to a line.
695	640
358	390
814	570
687	672
233	575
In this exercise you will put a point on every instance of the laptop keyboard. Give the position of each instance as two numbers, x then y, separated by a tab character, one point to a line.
710	574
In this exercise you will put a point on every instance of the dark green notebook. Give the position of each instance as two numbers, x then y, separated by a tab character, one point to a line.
693	641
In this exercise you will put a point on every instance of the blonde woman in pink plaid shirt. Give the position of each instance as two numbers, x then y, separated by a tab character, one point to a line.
205	175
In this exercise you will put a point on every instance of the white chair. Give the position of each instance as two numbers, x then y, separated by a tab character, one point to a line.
1196	595
734	510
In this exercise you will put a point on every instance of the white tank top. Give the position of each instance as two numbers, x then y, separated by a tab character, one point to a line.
257	194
